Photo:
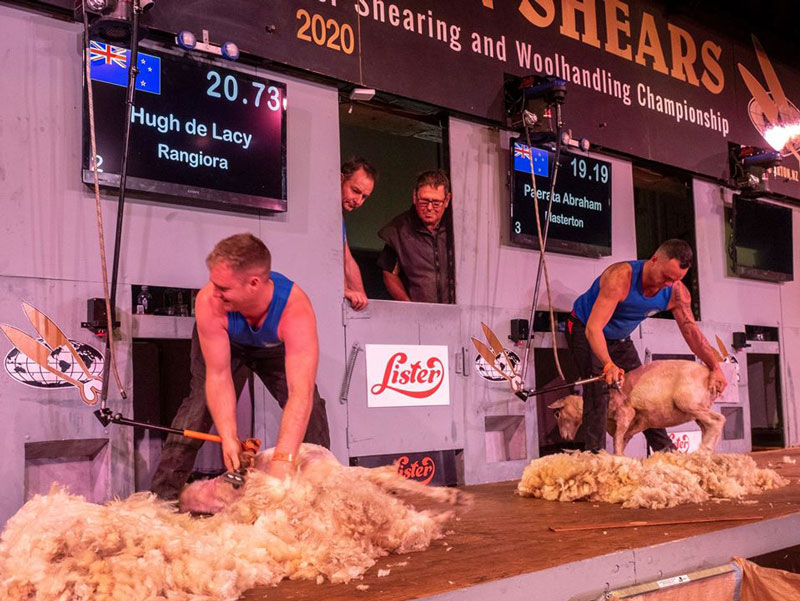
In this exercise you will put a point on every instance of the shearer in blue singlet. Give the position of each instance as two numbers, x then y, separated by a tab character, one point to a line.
247	317
603	317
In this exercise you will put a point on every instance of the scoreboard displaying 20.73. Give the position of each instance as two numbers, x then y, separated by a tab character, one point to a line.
580	219
210	134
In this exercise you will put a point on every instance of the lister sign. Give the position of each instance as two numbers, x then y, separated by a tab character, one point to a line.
407	375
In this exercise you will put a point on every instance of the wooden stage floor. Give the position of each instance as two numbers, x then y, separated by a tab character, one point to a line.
502	548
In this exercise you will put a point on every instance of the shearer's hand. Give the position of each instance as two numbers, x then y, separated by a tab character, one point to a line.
231	448
716	382
613	374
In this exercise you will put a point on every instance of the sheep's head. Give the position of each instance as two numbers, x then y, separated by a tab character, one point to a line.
569	414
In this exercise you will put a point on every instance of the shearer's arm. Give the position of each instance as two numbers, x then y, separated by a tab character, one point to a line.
298	331
614	286
681	306
220	393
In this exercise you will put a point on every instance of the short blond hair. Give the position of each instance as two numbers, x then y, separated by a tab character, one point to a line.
242	253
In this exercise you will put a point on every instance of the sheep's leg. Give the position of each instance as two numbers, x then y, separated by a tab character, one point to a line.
719	425
623	418
711	425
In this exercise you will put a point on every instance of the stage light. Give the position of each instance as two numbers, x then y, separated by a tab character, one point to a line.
186	39
98	6
539	96
362	94
568	140
779	136
750	166
230	51
553	90
111	21
764	160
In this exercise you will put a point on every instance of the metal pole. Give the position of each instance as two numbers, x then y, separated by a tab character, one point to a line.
544	244
530	393
133	71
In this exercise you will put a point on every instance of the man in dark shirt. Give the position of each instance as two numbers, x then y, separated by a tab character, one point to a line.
415	258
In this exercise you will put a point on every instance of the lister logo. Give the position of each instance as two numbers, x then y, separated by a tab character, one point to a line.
401	376
420	470
407	375
686	442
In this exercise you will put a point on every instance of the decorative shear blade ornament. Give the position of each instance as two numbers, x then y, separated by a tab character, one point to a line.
495	349
492	352
52	334
489	357
497	346
40	354
722	349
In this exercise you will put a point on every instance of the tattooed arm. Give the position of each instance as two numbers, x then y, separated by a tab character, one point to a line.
681	306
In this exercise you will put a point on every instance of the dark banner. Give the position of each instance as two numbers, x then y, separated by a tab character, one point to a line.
660	88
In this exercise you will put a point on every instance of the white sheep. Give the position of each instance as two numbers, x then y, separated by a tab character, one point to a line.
660	394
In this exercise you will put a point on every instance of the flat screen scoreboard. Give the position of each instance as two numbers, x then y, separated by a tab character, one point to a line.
202	132
580	221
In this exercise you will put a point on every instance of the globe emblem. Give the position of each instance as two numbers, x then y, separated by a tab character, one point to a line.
26	371
487	372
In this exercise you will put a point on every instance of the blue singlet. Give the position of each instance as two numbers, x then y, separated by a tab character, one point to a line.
630	312
239	330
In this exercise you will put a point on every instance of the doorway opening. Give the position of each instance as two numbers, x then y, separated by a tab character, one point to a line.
664	209
401	139
766	407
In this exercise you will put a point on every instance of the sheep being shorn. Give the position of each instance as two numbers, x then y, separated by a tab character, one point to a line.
662	480
330	523
656	395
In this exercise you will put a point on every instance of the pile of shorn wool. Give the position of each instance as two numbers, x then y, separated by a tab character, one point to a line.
60	547
661	480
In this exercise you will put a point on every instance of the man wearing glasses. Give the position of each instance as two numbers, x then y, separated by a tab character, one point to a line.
416	257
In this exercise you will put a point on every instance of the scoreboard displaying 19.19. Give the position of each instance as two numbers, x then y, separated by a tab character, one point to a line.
580	217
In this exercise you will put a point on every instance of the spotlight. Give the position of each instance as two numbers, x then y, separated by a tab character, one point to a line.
111	21
230	51
553	90
362	94
765	160
568	140
779	136
99	6
186	39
